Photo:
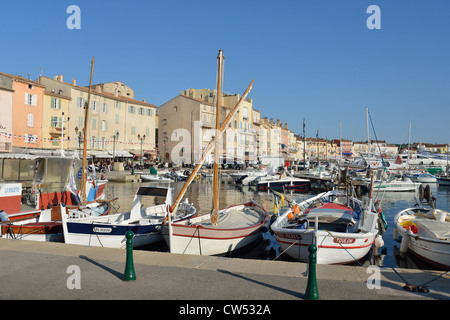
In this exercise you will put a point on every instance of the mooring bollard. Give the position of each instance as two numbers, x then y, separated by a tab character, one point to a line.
312	293
129	265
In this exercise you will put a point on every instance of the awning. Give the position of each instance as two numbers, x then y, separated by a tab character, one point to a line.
99	154
121	153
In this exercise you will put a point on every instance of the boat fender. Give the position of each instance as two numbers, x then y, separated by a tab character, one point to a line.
296	208
3	216
404	243
379	242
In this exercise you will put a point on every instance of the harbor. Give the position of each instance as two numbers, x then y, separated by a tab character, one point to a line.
145	179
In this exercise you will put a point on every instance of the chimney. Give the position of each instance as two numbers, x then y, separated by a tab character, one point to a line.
116	92
278	122
143	100
286	125
60	78
74	82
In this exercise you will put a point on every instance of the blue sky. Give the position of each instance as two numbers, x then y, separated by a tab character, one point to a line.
310	59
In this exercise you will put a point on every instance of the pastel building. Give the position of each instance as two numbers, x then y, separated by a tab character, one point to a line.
6	113
27	115
55	112
116	121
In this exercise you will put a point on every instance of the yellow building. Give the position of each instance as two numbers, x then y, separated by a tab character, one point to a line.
54	121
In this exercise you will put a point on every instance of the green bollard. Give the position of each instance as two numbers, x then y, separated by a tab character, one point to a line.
129	266
312	293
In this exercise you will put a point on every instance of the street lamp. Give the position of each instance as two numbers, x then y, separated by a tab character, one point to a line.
142	138
115	136
80	137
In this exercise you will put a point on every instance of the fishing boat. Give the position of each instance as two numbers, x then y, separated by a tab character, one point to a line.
43	225
425	232
338	224
285	183
109	231
218	232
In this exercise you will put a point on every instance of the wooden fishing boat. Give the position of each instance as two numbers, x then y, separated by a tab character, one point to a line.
109	231
43	225
218	232
338	224
425	232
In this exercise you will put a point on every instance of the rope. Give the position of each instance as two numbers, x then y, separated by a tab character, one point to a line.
343	247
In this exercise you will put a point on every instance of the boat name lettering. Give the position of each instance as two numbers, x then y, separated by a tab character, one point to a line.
344	240
12	189
291	236
102	230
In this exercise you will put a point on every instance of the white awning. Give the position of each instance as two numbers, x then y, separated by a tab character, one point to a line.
121	153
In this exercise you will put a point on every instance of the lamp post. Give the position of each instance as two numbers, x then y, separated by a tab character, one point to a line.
80	137
115	136
142	138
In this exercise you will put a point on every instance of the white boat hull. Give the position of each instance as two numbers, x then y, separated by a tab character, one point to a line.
432	250
334	248
187	237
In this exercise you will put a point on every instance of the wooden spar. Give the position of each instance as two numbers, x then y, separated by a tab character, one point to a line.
215	210
209	147
86	113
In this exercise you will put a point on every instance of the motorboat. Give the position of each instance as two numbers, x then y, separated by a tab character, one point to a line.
424	177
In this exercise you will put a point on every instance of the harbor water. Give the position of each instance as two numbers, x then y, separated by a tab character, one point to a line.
200	194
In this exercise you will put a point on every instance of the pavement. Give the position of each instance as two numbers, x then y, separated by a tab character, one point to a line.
59	271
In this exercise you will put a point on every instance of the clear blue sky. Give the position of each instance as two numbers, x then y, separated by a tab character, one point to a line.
311	59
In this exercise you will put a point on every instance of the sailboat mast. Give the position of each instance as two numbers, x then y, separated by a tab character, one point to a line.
217	140
368	136
209	147
86	113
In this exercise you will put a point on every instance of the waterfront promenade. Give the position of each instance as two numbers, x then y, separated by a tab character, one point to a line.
43	270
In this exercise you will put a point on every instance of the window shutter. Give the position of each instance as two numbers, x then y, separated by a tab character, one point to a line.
26	98
34	100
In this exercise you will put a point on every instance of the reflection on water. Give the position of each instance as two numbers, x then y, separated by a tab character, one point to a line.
200	193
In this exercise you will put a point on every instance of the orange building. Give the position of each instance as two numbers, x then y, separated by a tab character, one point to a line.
27	114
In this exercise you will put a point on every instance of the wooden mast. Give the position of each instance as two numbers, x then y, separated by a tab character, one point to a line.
86	113
217	151
209	147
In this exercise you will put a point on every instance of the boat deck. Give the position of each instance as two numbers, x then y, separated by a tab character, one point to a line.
235	217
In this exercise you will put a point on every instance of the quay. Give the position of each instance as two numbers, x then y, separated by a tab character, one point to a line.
43	271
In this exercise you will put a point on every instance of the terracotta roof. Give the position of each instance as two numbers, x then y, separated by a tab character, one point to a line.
105	94
22	79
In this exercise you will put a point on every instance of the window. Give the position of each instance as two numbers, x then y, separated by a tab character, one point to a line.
150	112
245	113
80	102
56	103
30	138
117	104
133	130
147	132
94	105
30	120
104	108
56	122
30	99
94	123
104	125
141	111
175	108
131	109
80	121
117	118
